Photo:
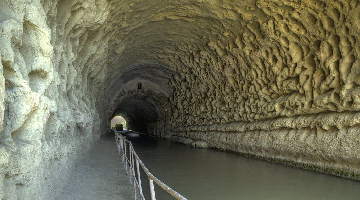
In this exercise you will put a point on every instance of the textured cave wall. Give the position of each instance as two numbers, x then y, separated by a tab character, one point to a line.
49	119
273	79
277	80
2	91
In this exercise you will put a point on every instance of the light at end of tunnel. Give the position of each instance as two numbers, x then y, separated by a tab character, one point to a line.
118	120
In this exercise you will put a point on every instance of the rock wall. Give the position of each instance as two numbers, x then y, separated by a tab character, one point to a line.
49	120
273	79
280	82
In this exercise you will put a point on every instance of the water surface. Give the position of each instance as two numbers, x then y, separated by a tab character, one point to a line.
206	174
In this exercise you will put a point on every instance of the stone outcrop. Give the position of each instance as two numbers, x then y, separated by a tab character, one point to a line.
199	145
182	140
273	79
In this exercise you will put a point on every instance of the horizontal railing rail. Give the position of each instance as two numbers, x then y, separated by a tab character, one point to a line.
132	164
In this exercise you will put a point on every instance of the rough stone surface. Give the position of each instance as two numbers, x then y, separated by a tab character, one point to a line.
47	115
2	95
279	82
186	141
273	79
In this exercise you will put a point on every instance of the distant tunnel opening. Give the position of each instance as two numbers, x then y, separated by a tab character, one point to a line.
117	120
141	111
141	95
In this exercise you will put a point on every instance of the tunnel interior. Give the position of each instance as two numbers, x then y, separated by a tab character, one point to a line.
141	94
275	79
139	111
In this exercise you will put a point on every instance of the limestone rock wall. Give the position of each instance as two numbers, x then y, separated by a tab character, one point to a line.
274	62
2	96
49	121
280	81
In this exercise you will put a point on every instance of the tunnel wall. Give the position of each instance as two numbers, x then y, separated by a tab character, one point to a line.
283	88
47	119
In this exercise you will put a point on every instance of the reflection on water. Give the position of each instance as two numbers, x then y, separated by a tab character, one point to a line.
205	174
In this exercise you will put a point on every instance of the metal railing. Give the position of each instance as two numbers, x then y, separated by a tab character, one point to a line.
132	164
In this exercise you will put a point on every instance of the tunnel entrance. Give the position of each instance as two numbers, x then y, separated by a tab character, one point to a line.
118	120
141	95
141	111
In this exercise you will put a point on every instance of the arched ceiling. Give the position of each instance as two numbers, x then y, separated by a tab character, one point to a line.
137	107
153	77
274	46
253	60
141	104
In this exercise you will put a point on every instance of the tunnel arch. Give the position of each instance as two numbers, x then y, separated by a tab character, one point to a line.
141	110
141	94
118	119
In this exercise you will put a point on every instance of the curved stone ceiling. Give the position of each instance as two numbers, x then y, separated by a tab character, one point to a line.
139	94
137	107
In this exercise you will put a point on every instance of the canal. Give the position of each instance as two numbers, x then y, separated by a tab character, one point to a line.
206	174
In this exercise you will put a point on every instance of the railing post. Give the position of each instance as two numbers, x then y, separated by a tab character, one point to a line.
122	148
138	174
117	141
152	189
125	163
130	160
134	182
132	164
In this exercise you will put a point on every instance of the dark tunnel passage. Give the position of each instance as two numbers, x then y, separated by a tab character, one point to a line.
141	95
140	111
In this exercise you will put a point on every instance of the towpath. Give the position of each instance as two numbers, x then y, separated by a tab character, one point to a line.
101	175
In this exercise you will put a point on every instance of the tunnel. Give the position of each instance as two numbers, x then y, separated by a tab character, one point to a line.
139	112
141	95
270	79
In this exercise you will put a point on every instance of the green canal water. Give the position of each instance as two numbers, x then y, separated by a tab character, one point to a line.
206	174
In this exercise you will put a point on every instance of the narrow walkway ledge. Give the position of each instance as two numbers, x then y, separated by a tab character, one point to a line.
101	175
